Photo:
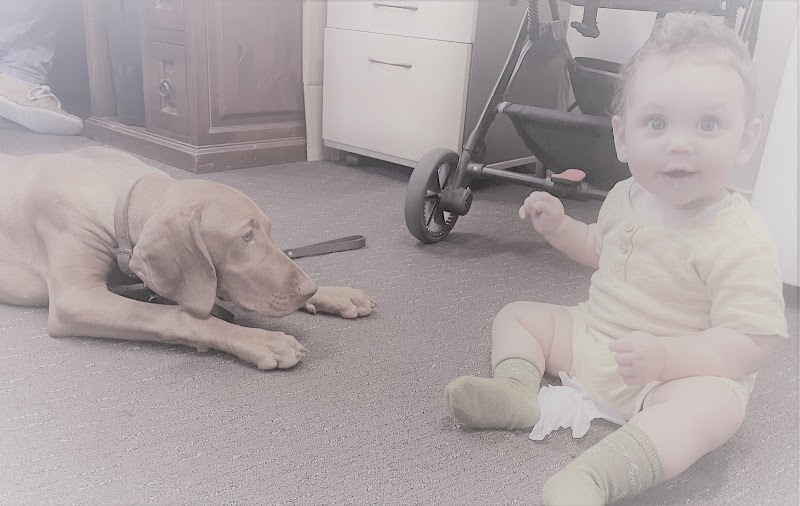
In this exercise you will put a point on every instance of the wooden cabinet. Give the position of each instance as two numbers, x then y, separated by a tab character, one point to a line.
222	84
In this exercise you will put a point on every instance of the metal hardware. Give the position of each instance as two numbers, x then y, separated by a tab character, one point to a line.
404	7
164	88
404	65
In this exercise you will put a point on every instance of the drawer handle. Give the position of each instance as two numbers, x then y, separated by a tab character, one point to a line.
404	65
164	88
404	7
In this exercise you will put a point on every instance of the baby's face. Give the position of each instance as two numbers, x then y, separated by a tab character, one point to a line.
685	129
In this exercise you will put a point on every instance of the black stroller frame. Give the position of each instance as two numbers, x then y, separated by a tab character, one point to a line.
439	187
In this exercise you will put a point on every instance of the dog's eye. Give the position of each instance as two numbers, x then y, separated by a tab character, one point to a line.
247	236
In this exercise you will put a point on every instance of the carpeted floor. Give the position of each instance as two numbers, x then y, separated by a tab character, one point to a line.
362	418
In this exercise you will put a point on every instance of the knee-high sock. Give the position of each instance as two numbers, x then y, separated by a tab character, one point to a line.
508	400
622	464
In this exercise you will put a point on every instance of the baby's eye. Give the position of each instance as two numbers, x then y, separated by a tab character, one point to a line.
247	236
657	123
708	124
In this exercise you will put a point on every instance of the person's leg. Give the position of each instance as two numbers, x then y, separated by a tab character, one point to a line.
27	39
27	44
527	339
681	421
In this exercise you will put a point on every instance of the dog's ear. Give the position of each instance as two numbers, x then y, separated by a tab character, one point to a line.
172	260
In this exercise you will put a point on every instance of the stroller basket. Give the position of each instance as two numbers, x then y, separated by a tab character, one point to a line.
594	83
563	140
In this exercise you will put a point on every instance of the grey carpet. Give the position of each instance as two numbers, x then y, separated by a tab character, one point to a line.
361	419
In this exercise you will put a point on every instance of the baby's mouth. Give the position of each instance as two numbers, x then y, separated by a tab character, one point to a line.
678	174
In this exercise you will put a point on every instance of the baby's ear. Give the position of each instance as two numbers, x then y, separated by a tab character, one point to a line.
618	126
750	138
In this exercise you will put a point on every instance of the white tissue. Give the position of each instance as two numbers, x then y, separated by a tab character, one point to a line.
568	406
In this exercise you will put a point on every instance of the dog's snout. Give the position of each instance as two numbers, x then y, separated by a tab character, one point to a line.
307	288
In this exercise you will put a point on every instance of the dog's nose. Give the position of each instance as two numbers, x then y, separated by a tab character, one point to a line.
307	288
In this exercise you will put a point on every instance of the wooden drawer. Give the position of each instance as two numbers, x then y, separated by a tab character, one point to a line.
165	88
399	96
452	20
165	14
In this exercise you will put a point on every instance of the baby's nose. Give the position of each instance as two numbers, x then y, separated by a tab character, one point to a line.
680	141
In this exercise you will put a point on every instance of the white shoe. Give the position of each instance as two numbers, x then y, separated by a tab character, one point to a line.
35	108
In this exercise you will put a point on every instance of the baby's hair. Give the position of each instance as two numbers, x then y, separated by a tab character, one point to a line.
699	35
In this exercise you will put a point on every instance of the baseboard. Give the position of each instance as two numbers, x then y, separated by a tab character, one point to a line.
198	159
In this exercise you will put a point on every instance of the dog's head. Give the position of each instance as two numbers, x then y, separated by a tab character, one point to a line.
211	240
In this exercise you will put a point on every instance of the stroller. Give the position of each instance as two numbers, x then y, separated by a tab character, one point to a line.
573	153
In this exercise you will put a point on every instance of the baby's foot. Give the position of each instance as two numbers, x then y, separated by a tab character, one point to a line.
493	403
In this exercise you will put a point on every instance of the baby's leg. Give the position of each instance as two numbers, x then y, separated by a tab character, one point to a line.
527	338
687	418
537	333
681	421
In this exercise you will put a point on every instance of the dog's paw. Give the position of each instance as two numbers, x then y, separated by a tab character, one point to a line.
342	301
269	350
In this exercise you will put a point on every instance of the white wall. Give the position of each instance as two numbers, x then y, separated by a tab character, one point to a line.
778	22
775	195
622	32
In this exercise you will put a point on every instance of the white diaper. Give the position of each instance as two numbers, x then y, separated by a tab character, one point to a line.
569	406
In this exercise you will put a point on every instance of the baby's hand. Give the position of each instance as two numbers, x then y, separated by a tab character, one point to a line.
545	211
641	357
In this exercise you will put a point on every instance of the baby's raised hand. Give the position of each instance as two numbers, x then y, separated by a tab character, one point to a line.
640	357
545	211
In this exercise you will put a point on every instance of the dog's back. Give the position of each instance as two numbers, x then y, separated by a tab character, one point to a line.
53	192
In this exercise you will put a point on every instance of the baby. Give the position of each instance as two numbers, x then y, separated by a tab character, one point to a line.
686	303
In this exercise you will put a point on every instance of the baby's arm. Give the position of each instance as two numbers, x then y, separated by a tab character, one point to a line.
715	352
720	351
574	238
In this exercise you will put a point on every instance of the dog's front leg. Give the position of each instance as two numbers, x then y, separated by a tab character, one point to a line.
96	312
340	300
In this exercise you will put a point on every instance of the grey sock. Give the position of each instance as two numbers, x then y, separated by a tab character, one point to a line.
508	400
624	463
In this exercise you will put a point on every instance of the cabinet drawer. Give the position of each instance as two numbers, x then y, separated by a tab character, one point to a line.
165	88
399	96
165	14
452	20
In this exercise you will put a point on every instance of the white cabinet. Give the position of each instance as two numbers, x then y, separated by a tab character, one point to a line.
402	77
392	95
451	20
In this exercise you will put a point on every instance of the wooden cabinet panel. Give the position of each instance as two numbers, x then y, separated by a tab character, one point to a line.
165	92
165	14
254	62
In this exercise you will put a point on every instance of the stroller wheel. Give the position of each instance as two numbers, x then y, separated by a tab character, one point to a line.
424	217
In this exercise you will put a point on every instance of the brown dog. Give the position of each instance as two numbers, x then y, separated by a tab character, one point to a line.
194	241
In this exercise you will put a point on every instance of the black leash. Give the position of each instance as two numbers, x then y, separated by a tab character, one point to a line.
323	248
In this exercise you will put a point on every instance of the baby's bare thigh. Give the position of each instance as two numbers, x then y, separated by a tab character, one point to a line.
721	393
559	357
552	326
